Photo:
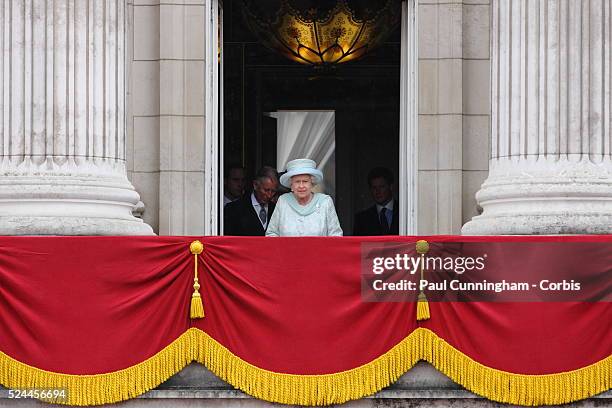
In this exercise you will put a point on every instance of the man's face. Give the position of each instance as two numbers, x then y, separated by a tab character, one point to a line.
381	191
265	190
234	184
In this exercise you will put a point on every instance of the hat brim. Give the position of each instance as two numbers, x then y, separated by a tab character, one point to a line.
285	179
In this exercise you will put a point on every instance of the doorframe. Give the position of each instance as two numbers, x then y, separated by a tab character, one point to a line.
409	119
408	135
213	126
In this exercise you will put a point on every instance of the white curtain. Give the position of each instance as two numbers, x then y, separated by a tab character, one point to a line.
310	135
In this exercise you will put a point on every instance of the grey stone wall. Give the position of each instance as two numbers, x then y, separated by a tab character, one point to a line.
454	111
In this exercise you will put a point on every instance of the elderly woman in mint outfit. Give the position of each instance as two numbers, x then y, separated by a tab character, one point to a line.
301	212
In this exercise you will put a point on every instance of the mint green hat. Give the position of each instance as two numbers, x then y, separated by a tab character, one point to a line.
301	166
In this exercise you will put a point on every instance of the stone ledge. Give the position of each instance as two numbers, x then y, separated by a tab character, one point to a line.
236	394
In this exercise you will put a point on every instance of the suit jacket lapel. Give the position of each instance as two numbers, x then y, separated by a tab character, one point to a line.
394	228
253	216
376	220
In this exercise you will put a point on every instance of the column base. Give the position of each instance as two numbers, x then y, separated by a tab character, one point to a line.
545	196
69	204
72	226
561	224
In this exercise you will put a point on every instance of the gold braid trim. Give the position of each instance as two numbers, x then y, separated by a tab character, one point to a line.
98	389
324	389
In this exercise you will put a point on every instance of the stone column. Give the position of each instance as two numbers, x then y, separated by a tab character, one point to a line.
551	160
62	119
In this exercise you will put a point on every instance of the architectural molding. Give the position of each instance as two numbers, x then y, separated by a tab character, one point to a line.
62	120
551	158
212	140
409	124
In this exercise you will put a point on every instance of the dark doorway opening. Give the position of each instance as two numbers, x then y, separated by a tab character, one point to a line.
364	96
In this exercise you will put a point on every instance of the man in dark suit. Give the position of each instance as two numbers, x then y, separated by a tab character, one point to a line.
251	214
383	217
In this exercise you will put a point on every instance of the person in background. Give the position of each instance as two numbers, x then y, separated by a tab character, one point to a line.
383	217
233	183
250	215
273	174
281	189
302	212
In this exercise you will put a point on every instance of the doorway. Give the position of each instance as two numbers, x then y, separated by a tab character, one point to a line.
259	85
309	134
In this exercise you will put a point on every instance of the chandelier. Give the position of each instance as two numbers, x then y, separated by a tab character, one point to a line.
322	33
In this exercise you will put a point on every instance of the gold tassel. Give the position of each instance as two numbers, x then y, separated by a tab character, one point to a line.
422	247
422	307
197	308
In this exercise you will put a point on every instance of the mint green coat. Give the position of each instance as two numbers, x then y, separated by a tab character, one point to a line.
317	218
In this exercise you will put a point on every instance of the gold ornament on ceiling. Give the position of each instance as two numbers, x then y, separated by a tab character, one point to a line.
322	33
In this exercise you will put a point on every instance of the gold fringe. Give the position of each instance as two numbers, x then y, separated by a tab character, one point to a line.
324	389
98	389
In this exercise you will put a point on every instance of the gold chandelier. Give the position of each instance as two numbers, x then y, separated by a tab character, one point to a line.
310	34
